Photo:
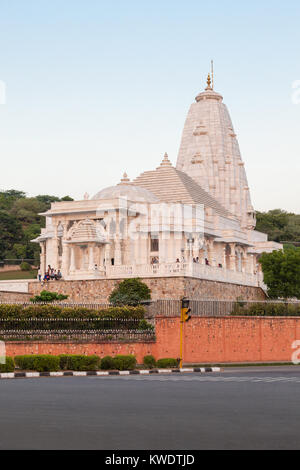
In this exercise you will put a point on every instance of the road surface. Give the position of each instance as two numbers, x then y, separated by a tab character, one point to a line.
246	408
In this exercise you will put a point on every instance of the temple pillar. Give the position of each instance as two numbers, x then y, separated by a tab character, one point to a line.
91	258
232	257
43	258
72	260
118	253
107	260
65	259
211	253
84	260
56	247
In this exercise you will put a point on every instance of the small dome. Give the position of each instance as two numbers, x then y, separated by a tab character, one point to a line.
129	191
86	231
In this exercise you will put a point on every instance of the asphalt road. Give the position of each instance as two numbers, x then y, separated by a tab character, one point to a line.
238	409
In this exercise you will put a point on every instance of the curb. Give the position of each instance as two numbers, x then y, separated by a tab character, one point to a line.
31	375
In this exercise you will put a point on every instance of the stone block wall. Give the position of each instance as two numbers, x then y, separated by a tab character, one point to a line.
98	290
11	297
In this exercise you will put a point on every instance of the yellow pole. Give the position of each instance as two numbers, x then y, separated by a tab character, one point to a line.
181	338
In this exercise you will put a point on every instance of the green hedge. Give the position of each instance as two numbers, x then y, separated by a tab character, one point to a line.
149	362
267	309
107	363
166	363
9	365
79	362
125	362
119	362
54	311
48	363
38	362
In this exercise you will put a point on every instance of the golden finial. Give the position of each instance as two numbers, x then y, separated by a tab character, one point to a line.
209	81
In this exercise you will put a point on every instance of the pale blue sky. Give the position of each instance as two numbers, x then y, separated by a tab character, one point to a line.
98	87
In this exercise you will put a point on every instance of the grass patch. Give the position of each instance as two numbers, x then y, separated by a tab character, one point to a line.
16	275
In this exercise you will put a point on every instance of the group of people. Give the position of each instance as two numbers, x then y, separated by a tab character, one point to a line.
50	275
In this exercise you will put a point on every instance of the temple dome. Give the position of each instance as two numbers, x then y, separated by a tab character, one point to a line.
125	189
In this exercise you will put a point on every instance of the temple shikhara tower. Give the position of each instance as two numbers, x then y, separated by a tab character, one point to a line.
210	154
194	221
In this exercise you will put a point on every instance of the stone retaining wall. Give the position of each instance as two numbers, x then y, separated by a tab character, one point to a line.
99	290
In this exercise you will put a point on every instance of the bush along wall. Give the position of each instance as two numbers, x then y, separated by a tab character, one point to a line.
77	362
74	362
9	365
55	318
55	311
261	309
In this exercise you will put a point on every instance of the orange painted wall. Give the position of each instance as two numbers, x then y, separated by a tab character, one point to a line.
206	340
229	339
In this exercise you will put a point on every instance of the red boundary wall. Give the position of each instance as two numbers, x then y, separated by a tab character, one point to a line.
206	340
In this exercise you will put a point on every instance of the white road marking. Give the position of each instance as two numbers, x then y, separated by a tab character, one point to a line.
158	378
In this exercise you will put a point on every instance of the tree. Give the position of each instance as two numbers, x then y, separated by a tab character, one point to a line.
282	273
20	223
279	225
130	292
10	233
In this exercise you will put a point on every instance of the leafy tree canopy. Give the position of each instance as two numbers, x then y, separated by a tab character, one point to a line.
130	292
282	273
279	225
20	223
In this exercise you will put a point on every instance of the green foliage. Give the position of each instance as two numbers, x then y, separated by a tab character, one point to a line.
9	365
149	362
39	363
25	266
167	363
119	362
20	223
282	273
144	325
79	362
122	362
267	309
107	363
46	296
279	225
130	292
10	233
55	311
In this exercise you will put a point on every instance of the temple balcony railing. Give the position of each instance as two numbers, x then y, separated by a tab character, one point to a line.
194	270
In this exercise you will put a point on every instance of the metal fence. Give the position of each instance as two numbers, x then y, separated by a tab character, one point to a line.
84	329
69	324
221	308
80	336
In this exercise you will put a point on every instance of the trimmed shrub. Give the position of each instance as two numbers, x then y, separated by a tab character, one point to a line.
125	362
25	266
79	362
39	362
24	362
268	309
9	365
55	311
167	363
149	362
107	363
145	326
130	292
46	296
